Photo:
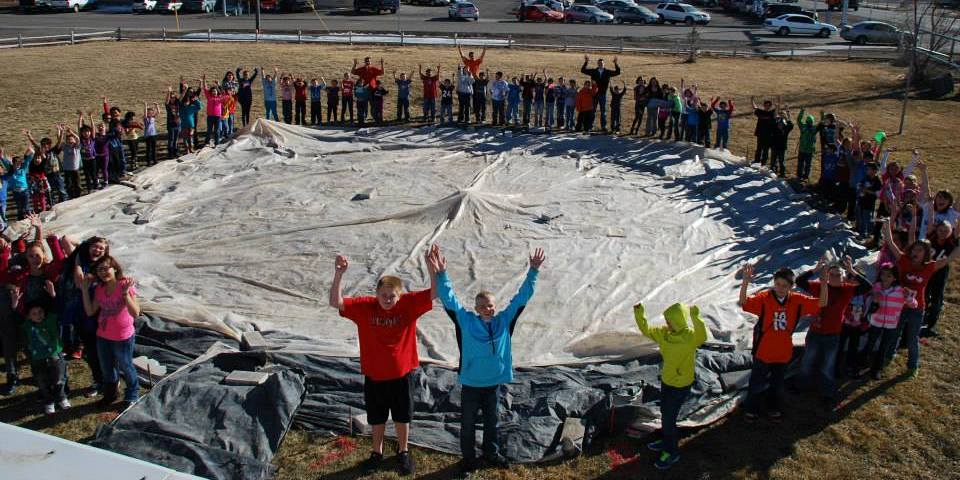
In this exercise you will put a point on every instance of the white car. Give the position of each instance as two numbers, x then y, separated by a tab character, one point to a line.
162	6
682	13
799	24
463	11
71	4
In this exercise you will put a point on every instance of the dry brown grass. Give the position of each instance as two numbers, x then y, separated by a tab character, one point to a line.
890	429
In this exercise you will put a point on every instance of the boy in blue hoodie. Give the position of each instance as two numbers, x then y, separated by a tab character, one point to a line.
678	347
486	357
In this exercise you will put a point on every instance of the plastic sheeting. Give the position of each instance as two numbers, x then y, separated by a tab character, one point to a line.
533	410
248	231
193	422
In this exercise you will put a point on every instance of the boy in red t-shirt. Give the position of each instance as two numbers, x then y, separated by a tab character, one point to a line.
778	310
346	104
387	331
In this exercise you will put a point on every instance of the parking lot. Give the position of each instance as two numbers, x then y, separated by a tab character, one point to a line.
497	18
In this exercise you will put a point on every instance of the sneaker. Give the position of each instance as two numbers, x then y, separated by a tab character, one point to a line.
49	409
913	373
407	466
750	417
373	462
64	404
657	446
468	466
77	354
875	374
775	416
666	461
497	461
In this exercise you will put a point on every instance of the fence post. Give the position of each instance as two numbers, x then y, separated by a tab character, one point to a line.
621	44
509	41
791	53
734	52
119	34
19	40
401	38
163	33
256	36
299	36
849	51
72	38
350	37
209	35
455	40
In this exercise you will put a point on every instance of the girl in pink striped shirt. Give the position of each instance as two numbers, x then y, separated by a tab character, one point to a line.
885	304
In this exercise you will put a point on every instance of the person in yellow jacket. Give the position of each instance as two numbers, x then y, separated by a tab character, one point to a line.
678	347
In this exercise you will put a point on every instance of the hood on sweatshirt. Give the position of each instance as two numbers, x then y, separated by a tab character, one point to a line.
808	119
678	317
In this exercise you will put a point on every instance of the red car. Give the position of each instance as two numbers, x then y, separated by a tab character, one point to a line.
538	13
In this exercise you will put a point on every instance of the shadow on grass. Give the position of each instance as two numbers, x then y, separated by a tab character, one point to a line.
732	445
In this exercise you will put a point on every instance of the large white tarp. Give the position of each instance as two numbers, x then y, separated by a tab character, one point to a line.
248	232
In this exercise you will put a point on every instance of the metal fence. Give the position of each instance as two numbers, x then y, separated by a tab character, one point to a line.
680	46
939	48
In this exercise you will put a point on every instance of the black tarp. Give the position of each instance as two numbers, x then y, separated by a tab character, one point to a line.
193	422
533	410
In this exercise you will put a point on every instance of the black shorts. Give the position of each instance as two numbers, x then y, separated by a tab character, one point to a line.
389	398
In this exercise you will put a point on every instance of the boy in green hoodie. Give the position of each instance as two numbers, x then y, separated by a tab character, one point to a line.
808	144
678	347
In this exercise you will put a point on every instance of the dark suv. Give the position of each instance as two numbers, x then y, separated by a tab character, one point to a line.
376	6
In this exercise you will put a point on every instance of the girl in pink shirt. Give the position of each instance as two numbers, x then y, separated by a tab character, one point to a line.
215	101
884	304
115	304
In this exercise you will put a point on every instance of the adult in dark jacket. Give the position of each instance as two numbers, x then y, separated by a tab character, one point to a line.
601	78
766	123
245	92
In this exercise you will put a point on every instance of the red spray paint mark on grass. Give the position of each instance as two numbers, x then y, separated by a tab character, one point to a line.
623	458
342	447
108	417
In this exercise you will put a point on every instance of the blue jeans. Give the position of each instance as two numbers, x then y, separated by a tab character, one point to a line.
116	359
864	219
911	319
723	137
527	110
769	377
671	399
3	202
270	108
550	115
887	337
513	113
571	116
57	188
560	110
820	354
213	129
600	100
403	109
429	109
538	113
485	399
499	116
446	109
173	134
22	199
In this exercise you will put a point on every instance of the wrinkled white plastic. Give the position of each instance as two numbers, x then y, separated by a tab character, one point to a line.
247	232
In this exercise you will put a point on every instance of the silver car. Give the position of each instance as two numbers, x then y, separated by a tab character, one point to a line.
872	32
463	11
587	14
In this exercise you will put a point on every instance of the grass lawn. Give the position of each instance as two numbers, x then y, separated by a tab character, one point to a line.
893	428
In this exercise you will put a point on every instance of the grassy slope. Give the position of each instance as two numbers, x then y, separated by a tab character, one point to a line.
889	429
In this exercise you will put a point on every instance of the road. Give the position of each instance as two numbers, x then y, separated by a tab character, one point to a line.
336	16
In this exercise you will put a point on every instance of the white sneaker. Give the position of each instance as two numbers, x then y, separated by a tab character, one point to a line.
49	409
64	404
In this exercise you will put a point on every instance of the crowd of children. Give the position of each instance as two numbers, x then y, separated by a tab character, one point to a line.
78	304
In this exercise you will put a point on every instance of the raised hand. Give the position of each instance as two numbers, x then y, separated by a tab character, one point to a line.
848	263
340	264
34	220
746	272
537	258
48	286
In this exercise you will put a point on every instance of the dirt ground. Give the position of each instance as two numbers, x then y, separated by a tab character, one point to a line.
893	428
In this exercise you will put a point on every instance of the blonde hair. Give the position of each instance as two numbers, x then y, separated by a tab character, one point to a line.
390	281
484	294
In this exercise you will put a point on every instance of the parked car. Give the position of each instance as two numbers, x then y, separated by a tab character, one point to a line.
556	5
463	11
682	12
706	3
72	4
838	5
872	32
161	6
799	24
610	5
538	13
199	6
376	6
276	6
587	14
775	10
635	14
430	3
